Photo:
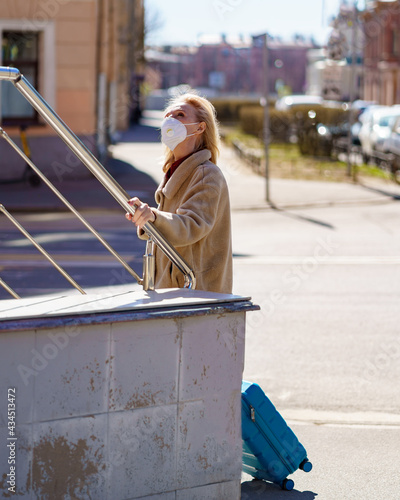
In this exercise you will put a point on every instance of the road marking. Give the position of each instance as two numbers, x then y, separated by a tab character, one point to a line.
362	419
18	257
72	260
94	259
50	238
328	260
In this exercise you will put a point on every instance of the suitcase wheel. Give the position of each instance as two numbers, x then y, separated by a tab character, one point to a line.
287	484
305	465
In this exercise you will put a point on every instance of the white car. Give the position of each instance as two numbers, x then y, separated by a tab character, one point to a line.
392	147
376	126
289	101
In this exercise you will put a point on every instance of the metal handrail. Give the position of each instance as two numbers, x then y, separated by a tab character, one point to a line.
88	226
9	289
14	76
41	249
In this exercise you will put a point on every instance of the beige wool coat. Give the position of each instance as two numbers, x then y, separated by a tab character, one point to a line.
193	213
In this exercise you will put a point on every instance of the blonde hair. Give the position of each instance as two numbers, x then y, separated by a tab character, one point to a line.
205	112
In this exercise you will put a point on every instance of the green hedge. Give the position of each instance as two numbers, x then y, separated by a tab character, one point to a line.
280	123
228	110
309	141
298	122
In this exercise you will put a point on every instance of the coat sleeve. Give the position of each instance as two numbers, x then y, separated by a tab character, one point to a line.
198	212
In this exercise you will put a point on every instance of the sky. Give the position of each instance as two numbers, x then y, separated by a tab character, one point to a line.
181	21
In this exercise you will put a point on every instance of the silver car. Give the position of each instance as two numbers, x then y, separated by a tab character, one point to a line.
392	148
376	126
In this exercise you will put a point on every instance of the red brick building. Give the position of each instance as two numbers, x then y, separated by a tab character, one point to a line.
382	52
233	65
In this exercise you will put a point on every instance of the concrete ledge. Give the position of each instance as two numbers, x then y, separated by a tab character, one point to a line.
143	403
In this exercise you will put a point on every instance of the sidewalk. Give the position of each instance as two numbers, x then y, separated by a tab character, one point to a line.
248	190
135	165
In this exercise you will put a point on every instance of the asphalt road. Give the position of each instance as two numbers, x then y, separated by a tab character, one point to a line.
327	281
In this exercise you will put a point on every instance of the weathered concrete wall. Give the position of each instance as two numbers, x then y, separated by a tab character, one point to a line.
122	405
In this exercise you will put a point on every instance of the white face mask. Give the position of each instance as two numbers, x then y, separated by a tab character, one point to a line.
173	132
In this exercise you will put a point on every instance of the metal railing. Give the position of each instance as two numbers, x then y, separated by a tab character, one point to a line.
14	76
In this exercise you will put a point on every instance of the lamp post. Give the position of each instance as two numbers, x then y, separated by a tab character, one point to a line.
352	168
264	103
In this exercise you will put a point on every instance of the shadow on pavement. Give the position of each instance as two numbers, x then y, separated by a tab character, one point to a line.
262	490
120	169
140	133
135	181
302	218
392	195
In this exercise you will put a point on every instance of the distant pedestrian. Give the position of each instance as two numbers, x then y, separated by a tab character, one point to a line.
193	210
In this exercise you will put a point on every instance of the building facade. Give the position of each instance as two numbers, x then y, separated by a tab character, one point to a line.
382	52
231	65
85	57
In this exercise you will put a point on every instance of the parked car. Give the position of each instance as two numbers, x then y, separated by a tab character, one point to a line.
391	147
376	126
358	107
288	101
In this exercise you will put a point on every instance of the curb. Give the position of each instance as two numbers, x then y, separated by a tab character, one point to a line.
245	208
318	204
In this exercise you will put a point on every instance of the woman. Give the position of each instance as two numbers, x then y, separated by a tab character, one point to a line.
193	210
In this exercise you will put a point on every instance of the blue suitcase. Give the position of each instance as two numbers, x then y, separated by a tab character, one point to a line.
271	450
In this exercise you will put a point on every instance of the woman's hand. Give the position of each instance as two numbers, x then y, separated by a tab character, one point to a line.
143	213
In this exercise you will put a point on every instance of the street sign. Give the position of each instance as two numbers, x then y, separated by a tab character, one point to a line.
332	82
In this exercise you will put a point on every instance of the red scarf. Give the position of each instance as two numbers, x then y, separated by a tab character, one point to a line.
175	165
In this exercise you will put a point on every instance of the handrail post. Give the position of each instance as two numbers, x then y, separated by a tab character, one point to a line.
149	269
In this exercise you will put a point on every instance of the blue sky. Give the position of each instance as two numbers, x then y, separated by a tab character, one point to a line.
183	20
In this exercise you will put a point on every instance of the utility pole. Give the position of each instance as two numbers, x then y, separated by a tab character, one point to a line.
351	169
264	102
338	51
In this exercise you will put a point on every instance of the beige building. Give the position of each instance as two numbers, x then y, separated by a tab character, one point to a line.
85	57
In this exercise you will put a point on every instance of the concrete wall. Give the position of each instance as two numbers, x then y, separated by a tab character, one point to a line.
127	398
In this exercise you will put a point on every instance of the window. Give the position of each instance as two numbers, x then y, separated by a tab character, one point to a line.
395	42
19	49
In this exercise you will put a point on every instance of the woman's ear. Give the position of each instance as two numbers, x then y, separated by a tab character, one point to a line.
202	127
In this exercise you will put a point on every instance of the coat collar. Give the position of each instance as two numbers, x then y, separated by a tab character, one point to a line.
171	187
